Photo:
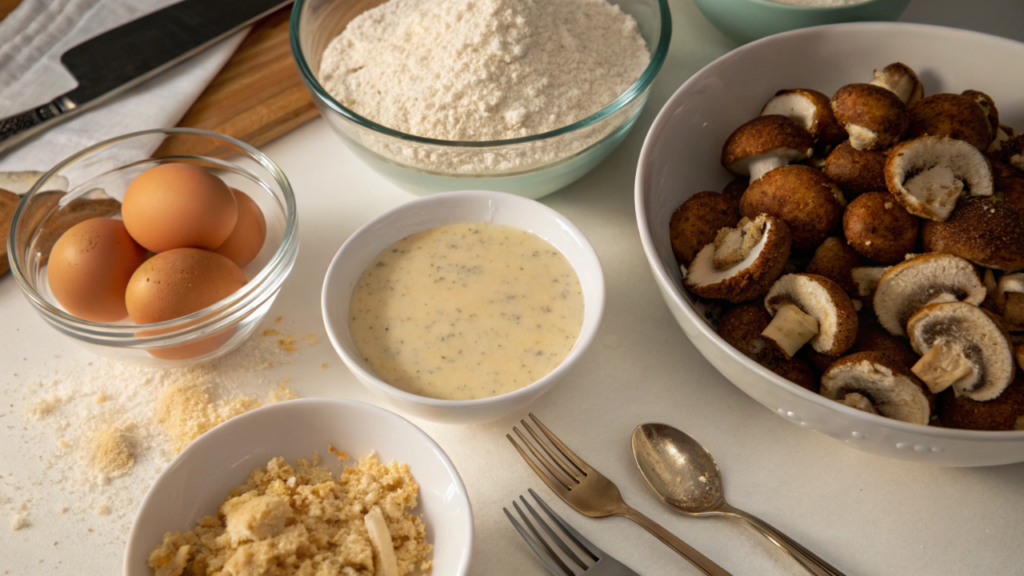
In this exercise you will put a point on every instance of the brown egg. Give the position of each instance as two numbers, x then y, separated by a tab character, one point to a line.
246	240
90	267
179	282
177	206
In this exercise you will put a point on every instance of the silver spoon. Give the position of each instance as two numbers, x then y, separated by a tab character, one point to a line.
684	475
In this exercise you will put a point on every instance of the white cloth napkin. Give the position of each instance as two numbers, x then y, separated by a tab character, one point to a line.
32	39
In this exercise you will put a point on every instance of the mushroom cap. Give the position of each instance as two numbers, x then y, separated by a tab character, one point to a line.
802	197
939	169
834	259
741	327
988	106
698	220
874	117
879	228
1003	413
1009	183
977	334
893	389
865	279
856	171
986	231
912	284
736	187
753	275
951	115
811	110
823	300
901	80
871	337
765	136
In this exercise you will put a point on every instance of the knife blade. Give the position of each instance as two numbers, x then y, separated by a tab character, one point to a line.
130	54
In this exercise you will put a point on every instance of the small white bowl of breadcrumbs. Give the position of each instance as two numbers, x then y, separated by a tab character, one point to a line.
313	486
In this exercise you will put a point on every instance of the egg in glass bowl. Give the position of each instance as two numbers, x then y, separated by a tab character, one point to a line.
168	259
682	156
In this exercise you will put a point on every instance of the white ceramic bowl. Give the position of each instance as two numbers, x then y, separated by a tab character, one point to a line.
206	471
451	208
681	157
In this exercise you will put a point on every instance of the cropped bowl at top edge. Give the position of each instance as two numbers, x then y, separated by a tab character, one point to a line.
744	21
410	161
195	483
110	166
450	208
680	157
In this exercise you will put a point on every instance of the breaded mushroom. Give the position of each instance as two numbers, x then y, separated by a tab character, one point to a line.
879	228
834	259
951	115
697	221
810	309
856	171
803	197
874	382
741	327
742	262
874	117
1003	413
986	231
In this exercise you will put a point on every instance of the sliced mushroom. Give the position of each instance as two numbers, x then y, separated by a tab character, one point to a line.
891	389
696	222
874	117
801	196
810	109
927	175
856	171
988	106
901	80
809	308
742	262
765	143
1003	413
961	346
912	284
1008	297
986	231
834	260
879	228
741	327
950	115
866	278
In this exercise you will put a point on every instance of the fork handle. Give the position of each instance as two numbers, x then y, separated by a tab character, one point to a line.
811	561
702	562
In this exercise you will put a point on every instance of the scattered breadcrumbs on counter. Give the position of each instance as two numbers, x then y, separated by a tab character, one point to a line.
300	520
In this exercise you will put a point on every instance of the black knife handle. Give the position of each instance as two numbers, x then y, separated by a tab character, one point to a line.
15	128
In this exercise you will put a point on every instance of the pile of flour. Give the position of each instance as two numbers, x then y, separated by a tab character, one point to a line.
483	69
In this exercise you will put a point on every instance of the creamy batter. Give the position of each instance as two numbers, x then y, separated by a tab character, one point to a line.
466	311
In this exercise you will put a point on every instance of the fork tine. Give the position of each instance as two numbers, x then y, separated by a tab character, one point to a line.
568	552
556	487
536	548
541	541
569	454
568	483
576	537
551	455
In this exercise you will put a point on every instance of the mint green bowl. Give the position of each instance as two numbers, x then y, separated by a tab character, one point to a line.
748	20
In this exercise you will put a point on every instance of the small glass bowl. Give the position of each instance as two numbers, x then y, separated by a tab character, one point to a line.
110	166
532	166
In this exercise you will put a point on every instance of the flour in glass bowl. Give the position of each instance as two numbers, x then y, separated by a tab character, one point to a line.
483	70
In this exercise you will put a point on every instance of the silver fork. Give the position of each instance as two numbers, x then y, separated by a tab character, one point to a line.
591	494
597	562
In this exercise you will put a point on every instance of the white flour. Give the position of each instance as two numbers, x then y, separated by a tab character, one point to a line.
479	70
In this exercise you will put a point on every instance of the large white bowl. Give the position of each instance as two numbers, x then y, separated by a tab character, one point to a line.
218	461
451	208
681	157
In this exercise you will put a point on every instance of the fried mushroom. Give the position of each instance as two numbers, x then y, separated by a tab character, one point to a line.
929	278
807	308
1003	413
696	222
877	380
856	171
765	143
879	228
810	109
962	347
874	117
901	80
865	279
986	231
928	175
741	327
834	260
951	115
742	262
803	197
988	106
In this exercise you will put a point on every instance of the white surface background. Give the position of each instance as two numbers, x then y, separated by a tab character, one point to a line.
864	514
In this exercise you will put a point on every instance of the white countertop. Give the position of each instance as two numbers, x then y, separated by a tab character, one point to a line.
864	514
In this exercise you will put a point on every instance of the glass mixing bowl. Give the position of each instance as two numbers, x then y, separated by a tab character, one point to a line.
531	166
109	167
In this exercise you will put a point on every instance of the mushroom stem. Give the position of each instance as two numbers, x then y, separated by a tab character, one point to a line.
860	402
765	163
791	328
942	366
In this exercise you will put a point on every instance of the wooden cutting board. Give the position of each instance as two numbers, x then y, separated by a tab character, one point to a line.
256	97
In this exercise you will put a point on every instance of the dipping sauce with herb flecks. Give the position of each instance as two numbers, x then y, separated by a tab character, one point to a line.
466	311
